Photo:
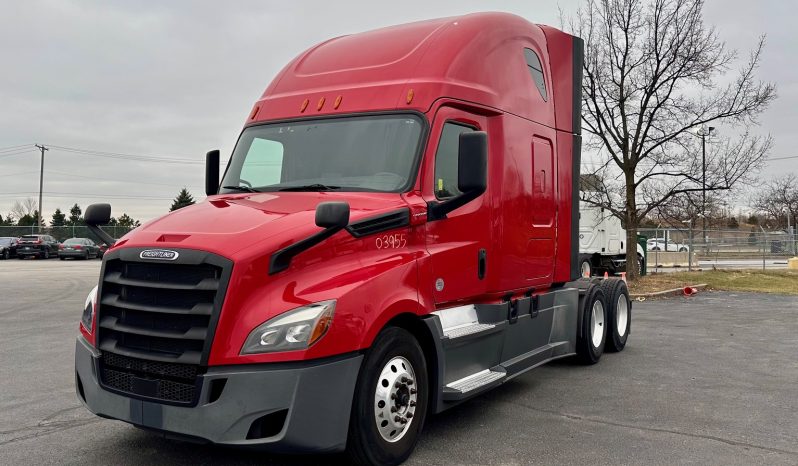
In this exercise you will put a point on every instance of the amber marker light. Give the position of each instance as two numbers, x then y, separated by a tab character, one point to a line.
410	95
337	102
321	104
254	112
304	106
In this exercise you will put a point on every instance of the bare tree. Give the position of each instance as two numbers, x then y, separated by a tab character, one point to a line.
22	208
654	74
778	199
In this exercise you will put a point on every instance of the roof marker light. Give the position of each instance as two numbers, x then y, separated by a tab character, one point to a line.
337	102
304	106
254	112
321	104
410	95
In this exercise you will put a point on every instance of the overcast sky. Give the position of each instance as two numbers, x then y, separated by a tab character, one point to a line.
175	79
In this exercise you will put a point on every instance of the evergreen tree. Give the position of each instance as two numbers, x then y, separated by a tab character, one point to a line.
126	221
27	220
183	199
59	218
75	215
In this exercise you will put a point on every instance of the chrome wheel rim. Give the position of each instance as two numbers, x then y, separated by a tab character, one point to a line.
395	399
597	323
622	314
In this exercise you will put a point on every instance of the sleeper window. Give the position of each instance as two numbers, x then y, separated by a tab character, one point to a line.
536	70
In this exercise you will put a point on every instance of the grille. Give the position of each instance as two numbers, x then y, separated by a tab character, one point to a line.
156	320
379	223
164	381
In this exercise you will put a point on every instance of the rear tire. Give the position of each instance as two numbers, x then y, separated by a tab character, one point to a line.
374	438
619	314
590	345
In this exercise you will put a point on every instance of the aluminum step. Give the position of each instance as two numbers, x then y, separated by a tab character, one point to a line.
468	329
476	381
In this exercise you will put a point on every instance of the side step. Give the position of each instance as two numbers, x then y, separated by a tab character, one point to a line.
469	385
467	329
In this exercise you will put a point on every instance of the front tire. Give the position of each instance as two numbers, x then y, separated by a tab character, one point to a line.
590	345
46	254
390	403
6	255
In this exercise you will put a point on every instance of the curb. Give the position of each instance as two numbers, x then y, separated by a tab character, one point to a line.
671	292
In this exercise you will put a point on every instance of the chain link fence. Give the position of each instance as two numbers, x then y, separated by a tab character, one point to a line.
773	248
62	233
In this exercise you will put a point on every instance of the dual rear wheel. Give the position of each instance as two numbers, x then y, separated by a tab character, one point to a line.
606	316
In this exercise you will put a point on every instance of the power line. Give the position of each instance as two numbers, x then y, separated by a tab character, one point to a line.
782	158
11	154
123	156
171	185
12	148
87	195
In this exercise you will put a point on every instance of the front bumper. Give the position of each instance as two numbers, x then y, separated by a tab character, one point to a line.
317	397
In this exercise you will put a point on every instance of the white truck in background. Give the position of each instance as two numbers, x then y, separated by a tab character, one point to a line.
602	242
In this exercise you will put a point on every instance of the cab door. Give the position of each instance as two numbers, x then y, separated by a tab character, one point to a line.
459	244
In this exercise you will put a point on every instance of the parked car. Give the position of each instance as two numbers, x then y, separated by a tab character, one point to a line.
41	246
671	246
103	248
8	247
78	248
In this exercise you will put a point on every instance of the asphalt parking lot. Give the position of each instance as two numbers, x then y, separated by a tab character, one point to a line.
706	380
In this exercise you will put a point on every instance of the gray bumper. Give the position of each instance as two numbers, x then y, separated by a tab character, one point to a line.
318	397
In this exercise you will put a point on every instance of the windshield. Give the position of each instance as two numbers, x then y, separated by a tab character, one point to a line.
5	241
364	153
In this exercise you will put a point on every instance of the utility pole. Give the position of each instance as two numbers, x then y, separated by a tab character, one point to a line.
41	184
704	135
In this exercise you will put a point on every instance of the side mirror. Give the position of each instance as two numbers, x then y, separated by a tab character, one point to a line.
472	174
332	215
472	162
96	215
212	173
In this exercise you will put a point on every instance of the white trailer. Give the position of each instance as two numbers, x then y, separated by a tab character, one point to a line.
602	243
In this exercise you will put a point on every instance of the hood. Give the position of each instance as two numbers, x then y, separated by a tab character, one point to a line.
227	224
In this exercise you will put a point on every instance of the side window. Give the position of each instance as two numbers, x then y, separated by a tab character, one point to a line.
536	70
446	160
263	165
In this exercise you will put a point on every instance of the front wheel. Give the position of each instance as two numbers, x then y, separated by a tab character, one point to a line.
46	254
585	269
6	255
390	402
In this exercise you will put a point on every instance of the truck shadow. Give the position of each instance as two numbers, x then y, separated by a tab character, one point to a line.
448	426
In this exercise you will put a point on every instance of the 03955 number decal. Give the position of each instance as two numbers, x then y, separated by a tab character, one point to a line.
394	241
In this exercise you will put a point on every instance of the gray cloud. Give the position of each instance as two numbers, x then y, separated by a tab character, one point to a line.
174	79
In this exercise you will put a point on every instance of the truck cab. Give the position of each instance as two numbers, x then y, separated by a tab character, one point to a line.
394	233
603	242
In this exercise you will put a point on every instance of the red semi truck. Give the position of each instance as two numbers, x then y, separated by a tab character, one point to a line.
395	233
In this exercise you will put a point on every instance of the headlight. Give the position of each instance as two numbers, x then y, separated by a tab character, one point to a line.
294	330
88	310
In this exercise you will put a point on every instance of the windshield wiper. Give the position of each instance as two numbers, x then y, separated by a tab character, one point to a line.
245	189
311	187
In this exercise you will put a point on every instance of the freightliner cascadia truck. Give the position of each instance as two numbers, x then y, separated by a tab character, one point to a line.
396	232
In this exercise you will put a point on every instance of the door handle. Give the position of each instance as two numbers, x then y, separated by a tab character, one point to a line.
482	263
